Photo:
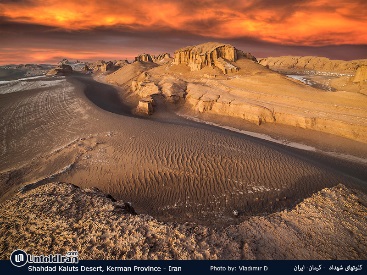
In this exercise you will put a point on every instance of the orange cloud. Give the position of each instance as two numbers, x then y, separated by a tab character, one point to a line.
299	22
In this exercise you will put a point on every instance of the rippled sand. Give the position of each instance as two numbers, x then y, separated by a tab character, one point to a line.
79	131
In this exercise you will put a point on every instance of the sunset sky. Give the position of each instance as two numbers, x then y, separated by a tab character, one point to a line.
35	31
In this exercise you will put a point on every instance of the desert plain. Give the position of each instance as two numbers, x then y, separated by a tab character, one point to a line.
207	154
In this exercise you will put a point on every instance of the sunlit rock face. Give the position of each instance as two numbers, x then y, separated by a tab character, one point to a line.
145	57
61	69
159	59
208	54
361	74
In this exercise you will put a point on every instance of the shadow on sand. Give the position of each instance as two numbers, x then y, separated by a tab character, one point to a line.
102	95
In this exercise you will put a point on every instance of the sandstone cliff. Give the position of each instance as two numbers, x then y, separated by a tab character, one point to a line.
361	74
159	59
145	57
145	106
162	58
214	100
208	54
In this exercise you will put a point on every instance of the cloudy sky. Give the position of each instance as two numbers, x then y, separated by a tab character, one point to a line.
45	31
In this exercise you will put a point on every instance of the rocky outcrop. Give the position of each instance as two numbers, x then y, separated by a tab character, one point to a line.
64	61
361	74
163	58
173	89
208	54
61	69
241	54
145	57
96	65
126	74
311	64
145	106
85	68
213	100
108	66
225	66
121	63
144	87
102	66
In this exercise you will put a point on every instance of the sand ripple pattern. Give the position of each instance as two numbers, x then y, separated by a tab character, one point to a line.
185	173
174	172
36	117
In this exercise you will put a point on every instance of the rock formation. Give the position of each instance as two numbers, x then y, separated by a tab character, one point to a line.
108	66
102	66
361	74
145	57
208	54
126	74
61	69
214	100
121	63
85	68
241	54
97	64
252	92
163	58
145	106
64	61
173	89
159	59
144	87
225	66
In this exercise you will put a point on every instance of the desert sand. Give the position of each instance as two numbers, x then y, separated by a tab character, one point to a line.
60	217
80	129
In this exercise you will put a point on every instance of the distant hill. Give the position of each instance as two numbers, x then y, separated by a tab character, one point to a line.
312	64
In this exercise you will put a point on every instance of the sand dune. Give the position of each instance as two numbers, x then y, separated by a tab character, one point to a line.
169	167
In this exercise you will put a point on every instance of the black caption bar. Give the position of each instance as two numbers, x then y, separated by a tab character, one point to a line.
190	267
